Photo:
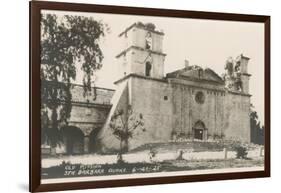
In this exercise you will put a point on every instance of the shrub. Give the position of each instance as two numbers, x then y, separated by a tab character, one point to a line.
241	152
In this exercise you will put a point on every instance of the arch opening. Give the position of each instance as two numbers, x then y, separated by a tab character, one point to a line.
73	139
199	131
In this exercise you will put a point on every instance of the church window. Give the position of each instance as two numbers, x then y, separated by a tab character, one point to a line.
147	69
199	97
200	73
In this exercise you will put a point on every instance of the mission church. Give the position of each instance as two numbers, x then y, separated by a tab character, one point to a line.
191	103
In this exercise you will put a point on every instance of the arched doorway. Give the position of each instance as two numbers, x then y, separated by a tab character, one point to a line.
73	139
199	131
94	145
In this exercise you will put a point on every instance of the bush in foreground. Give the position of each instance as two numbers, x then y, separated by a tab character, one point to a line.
241	152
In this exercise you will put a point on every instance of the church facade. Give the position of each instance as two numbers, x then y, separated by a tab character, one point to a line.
190	103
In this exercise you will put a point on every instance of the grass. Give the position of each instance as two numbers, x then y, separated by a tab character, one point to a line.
195	146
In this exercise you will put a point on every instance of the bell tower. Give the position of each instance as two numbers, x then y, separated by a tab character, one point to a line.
242	68
142	52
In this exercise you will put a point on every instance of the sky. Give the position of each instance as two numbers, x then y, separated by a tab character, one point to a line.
207	43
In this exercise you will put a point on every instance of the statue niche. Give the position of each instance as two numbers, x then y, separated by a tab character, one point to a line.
148	41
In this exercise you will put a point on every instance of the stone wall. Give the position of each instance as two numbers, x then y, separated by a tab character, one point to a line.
154	99
88	118
119	101
236	115
90	112
170	106
96	96
187	112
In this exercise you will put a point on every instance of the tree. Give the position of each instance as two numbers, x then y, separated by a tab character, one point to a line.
66	41
257	131
125	125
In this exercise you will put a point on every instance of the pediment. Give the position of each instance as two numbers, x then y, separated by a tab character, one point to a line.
197	73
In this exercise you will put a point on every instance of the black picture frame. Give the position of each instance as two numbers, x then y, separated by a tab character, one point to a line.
34	94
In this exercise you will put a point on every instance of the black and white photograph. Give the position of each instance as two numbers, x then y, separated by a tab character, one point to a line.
133	96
